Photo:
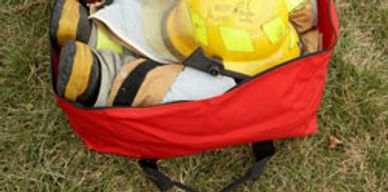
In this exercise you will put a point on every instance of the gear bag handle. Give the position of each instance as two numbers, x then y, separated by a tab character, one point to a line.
262	151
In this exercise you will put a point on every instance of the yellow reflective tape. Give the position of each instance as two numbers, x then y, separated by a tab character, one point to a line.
79	77
274	29
236	39
104	42
200	27
68	22
293	4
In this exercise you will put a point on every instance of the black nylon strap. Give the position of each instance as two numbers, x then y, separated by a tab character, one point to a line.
198	60
262	151
252	175
128	90
163	182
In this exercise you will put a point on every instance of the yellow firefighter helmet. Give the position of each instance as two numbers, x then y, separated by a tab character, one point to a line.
248	36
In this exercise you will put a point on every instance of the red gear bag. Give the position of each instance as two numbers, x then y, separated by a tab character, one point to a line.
280	103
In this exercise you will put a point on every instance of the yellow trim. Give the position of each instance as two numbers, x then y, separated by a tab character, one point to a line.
68	22
200	26
236	40
275	30
284	53
80	72
105	42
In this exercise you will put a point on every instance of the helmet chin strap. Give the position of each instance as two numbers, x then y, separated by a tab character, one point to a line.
198	60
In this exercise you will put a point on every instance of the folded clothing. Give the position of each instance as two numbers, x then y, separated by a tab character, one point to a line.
167	83
312	41
103	78
139	29
192	84
110	65
304	17
143	83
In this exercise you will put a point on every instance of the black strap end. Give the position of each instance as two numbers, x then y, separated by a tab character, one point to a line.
198	60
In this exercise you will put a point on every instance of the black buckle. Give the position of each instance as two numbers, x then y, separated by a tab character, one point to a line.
198	60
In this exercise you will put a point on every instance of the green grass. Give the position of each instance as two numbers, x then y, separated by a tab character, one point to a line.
39	152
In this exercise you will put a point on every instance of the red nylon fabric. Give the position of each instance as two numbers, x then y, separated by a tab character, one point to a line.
279	104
